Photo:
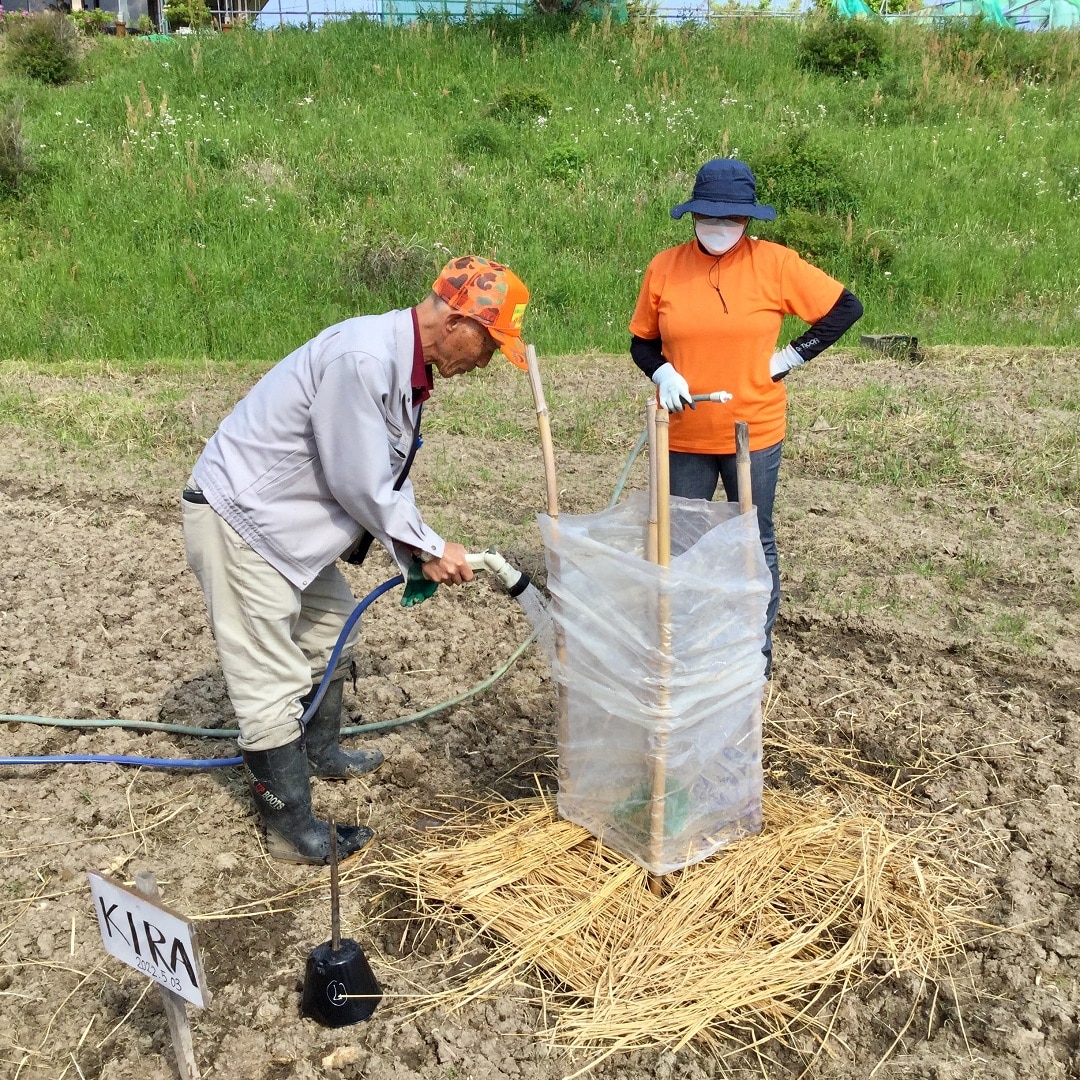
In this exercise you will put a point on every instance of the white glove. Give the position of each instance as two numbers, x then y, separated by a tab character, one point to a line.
674	389
783	361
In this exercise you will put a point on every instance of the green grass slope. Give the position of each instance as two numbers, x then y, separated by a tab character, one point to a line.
226	196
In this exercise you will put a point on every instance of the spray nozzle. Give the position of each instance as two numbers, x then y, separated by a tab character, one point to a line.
512	580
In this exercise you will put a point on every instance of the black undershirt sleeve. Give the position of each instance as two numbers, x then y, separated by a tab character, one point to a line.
647	354
829	328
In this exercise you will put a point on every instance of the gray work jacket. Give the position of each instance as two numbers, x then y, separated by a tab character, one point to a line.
311	453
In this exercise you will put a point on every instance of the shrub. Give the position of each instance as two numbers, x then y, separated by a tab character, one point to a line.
557	7
870	252
832	243
563	161
14	163
193	13
550	18
977	46
536	22
842	47
92	22
9	18
401	270
799	173
481	140
45	47
520	103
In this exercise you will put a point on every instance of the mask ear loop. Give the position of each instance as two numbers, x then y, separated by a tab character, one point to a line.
715	268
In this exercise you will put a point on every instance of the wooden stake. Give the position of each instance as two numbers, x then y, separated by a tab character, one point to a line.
175	1010
563	730
663	624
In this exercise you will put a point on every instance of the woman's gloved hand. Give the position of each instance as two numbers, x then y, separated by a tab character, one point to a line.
783	361
673	388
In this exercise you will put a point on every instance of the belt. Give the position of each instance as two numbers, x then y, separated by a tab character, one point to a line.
192	496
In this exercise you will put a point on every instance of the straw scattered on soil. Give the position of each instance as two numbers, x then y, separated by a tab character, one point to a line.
740	949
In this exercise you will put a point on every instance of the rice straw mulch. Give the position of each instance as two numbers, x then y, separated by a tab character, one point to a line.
740	947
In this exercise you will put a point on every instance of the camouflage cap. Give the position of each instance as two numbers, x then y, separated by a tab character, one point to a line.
492	295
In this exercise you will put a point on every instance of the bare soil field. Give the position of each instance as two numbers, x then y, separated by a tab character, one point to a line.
928	522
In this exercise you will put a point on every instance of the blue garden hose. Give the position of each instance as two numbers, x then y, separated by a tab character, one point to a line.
215	763
123	759
350	622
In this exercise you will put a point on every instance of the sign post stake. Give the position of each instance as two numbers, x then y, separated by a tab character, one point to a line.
175	1010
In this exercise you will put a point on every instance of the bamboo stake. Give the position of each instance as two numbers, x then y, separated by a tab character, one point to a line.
742	466
651	530
545	431
175	1012
563	730
663	490
663	560
746	494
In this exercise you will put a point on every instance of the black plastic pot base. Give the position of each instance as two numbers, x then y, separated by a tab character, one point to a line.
339	986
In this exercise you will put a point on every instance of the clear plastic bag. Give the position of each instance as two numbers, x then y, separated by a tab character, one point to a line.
660	674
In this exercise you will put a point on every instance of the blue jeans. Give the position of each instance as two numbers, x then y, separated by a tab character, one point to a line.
695	476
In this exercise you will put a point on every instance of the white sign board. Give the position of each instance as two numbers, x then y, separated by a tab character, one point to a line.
150	938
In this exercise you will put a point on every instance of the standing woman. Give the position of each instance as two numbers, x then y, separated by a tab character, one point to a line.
708	318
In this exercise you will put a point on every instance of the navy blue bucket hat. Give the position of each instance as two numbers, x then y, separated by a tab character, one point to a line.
725	188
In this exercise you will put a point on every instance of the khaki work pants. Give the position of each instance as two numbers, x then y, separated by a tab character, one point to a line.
273	639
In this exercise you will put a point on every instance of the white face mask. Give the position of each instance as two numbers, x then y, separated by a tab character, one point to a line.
718	235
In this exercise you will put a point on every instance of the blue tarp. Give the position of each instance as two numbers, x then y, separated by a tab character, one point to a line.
851	9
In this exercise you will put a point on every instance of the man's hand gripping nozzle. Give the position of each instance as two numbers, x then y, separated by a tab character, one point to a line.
418	588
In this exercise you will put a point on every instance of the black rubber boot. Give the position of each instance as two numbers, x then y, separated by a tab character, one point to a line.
282	792
323	739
